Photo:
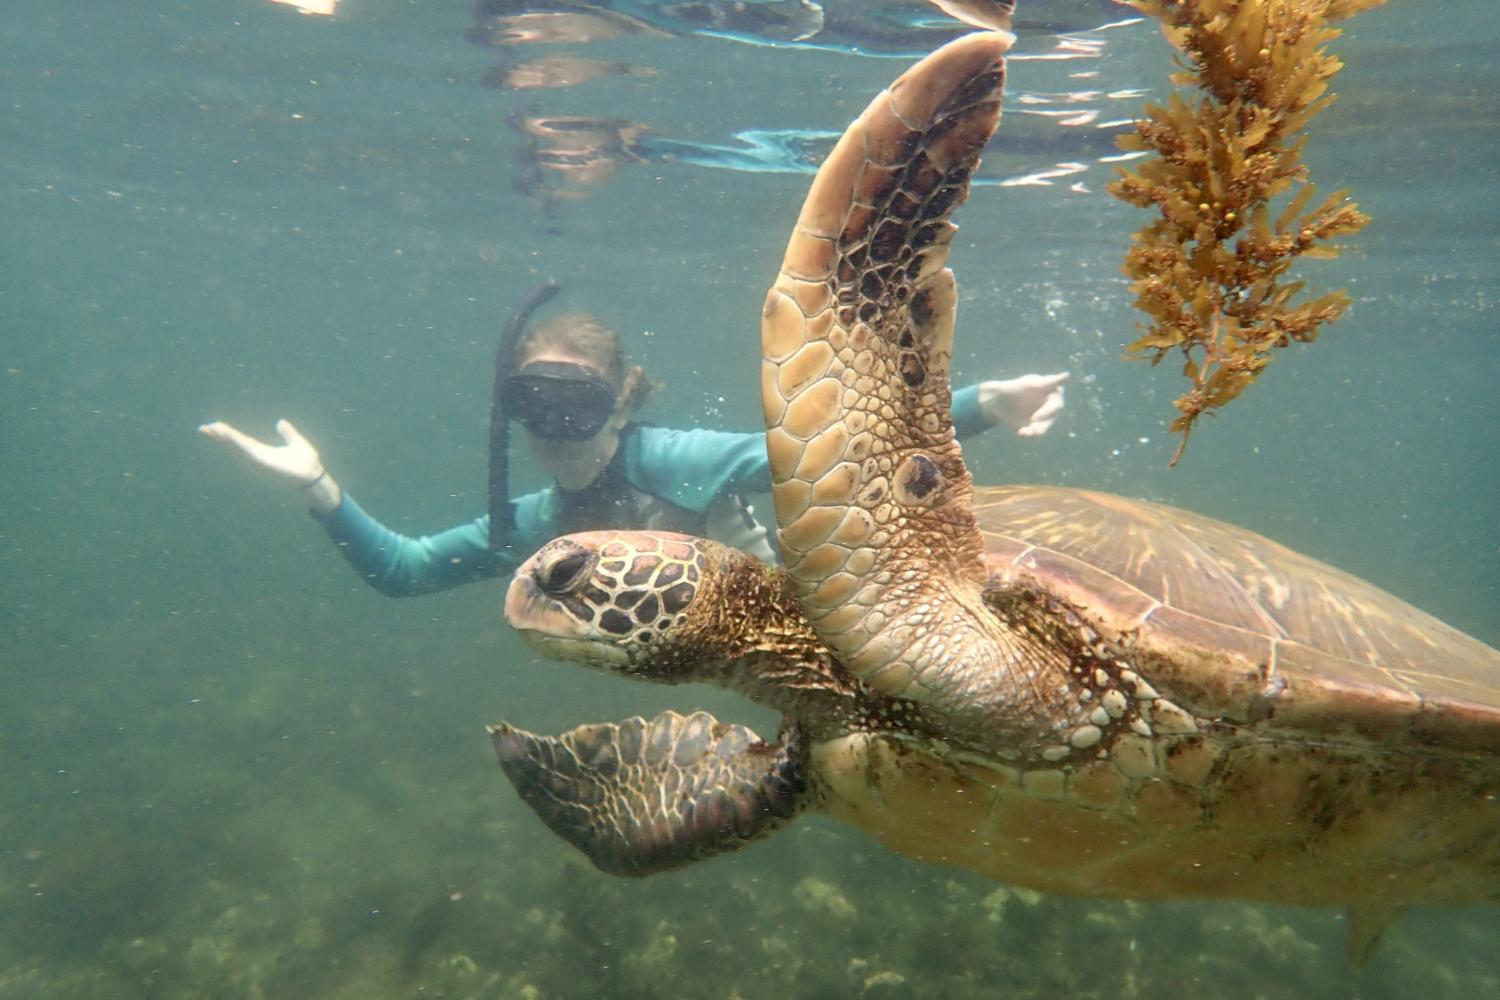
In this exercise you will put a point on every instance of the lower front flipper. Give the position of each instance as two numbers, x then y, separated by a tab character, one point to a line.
638	797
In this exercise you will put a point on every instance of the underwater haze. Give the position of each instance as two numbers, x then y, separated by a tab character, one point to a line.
228	768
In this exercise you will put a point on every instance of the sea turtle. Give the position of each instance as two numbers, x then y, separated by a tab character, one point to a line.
1061	689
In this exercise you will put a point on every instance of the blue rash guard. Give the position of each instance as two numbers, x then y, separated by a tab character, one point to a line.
688	470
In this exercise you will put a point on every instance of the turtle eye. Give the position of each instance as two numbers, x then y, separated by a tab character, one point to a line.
561	575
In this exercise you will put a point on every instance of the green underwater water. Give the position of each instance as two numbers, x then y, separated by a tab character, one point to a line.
230	769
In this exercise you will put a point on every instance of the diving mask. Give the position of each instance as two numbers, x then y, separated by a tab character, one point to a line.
559	400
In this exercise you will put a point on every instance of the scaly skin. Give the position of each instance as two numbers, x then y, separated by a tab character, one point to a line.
871	494
697	612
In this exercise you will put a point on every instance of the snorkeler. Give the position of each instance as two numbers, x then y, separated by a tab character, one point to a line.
566	382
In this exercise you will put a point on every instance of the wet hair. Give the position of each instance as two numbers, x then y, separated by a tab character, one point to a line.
583	337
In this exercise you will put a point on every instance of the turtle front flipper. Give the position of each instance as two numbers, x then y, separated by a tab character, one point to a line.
638	797
872	497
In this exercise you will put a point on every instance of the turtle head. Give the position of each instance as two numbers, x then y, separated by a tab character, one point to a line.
644	603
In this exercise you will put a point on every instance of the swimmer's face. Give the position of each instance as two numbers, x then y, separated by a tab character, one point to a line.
561	398
572	414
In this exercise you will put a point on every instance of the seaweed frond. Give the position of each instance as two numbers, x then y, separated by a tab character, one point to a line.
1210	271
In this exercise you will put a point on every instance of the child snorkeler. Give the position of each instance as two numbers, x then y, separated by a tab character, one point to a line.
568	385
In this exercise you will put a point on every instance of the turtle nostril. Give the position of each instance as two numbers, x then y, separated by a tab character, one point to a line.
561	574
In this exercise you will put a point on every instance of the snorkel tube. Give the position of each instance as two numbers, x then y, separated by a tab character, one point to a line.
502	511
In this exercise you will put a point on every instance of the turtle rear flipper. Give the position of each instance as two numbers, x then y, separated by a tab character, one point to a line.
638	797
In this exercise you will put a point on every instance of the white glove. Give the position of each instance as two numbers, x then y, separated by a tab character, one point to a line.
295	461
1031	404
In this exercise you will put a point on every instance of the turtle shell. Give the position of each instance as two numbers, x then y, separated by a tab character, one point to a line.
1233	626
1333	745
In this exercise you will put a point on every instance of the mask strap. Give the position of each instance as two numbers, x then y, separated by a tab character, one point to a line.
502	511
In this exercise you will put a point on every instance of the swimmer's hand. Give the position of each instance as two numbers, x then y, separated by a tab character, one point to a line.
1031	404
295	461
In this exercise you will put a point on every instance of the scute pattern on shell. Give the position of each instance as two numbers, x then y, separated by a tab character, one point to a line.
1244	629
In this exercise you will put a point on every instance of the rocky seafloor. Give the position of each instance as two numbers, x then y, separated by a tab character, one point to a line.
341	830
502	911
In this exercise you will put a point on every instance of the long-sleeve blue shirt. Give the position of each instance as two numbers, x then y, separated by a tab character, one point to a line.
689	468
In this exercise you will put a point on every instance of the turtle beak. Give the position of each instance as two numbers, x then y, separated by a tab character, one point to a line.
551	630
529	610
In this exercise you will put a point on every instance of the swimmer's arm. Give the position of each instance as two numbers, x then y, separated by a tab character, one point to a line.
391	563
968	416
295	461
692	468
1028	405
398	565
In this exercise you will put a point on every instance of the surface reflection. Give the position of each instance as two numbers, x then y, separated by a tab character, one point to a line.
1054	133
579	151
546	26
550	72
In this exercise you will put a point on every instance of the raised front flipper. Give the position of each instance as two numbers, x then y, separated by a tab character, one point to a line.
872	497
638	797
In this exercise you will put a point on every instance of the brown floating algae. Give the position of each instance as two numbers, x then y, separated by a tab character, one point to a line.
1211	271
